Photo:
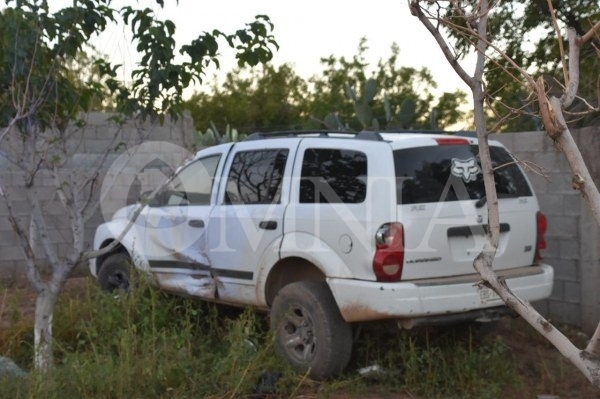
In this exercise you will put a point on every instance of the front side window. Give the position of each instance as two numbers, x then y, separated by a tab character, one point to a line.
193	185
333	176
256	177
453	173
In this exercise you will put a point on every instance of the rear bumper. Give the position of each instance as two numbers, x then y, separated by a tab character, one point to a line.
360	300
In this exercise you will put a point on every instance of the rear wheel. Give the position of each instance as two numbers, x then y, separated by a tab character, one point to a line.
310	332
115	273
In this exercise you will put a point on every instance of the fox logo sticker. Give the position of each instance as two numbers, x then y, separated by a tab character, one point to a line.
467	169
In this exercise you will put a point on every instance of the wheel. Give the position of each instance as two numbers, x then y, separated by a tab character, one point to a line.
310	332
115	273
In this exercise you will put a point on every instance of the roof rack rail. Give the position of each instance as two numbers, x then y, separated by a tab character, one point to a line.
465	133
363	135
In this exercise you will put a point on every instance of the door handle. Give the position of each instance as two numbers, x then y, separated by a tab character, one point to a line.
268	225
199	223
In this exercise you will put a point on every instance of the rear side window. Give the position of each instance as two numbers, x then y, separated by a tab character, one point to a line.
256	176
453	173
333	176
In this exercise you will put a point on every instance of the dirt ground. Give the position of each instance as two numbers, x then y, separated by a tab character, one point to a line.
546	370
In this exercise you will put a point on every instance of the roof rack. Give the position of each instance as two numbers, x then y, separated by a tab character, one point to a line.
363	135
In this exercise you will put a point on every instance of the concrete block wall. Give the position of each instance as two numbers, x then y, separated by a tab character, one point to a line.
170	142
573	238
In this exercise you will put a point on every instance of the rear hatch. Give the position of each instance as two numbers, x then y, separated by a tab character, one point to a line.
443	208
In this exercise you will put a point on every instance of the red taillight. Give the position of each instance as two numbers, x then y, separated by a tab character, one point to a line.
452	141
389	252
542	226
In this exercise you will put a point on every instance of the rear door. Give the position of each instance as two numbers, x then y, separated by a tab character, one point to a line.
344	193
442	204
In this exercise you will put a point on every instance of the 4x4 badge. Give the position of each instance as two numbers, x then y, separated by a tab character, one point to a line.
467	169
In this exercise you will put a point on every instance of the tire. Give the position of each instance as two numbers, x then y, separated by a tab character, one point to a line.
115	273
310	332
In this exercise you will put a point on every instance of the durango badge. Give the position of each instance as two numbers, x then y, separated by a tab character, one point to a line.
467	169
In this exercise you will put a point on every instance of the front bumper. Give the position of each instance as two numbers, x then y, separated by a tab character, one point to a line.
360	300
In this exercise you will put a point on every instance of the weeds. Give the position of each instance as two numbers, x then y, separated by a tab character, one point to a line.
153	345
435	363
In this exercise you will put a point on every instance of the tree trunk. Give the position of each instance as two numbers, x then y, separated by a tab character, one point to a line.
44	317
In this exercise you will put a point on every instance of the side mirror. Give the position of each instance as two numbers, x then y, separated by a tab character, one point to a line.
158	200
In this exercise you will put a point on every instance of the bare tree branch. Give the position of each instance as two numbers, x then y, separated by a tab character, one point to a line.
560	42
590	34
553	128
573	85
30	259
416	10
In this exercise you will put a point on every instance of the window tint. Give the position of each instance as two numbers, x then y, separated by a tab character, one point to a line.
425	173
255	177
193	185
333	176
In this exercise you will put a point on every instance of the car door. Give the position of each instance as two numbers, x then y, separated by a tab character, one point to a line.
343	196
175	241
246	225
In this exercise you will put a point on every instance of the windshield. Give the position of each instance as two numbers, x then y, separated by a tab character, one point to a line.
452	173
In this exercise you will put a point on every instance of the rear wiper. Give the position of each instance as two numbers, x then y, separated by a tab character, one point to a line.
482	201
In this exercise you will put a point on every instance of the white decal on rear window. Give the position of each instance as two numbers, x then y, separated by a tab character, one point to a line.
467	169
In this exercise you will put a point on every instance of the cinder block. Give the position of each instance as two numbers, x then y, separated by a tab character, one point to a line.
7	236
569	249
17	193
569	313
562	227
560	183
589	318
53	207
572	292
118	193
60	222
528	140
21	208
47	193
552	248
558	291
551	161
551	204
98	146
59	236
540	184
590	237
3	213
564	270
572	204
542	307
11	253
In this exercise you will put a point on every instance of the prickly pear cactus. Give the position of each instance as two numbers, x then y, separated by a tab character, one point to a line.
362	106
213	137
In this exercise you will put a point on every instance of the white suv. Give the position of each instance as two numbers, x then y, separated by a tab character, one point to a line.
325	230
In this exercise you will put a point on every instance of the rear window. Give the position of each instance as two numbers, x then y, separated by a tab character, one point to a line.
453	173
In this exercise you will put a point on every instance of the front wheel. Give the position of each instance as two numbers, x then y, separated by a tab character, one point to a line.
115	273
310	332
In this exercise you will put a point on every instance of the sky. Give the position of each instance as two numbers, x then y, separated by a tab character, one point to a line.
305	32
